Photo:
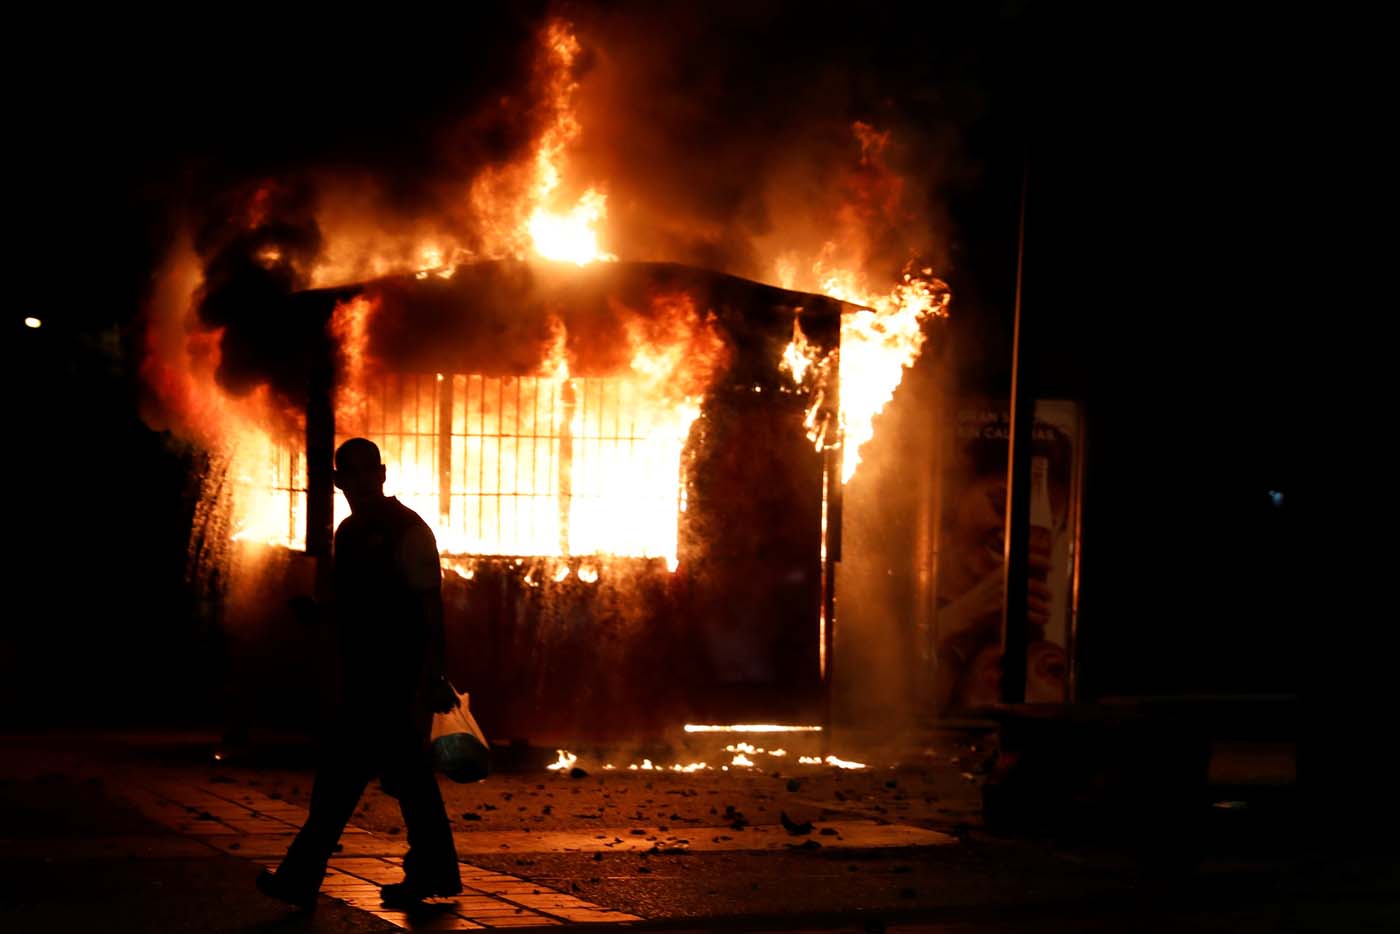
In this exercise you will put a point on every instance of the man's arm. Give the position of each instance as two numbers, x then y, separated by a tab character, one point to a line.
424	574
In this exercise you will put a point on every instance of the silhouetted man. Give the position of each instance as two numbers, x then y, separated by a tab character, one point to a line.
388	613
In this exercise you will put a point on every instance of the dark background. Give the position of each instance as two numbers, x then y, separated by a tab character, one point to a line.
1159	289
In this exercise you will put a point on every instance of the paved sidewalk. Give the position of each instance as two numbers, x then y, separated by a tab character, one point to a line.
247	823
73	859
142	834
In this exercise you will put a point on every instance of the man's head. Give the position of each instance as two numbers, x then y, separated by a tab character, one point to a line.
359	472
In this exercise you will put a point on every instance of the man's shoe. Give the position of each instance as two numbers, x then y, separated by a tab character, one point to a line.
411	892
274	886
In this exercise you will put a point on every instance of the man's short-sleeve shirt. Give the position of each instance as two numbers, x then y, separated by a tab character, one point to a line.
386	558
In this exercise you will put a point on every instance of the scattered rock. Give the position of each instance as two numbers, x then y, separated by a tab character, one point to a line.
577	772
794	827
471	815
828	831
794	784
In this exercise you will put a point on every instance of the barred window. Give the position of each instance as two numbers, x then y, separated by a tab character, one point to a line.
526	466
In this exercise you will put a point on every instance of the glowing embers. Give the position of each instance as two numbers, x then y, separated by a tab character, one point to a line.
741	756
647	766
748	728
744	751
830	760
531	465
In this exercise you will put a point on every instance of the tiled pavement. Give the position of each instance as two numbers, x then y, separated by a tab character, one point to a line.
247	823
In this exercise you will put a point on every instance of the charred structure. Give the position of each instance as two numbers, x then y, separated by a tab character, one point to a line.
517	412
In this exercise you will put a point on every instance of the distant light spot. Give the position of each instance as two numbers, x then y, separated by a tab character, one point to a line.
1276	497
32	322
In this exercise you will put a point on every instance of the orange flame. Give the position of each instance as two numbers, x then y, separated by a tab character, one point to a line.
541	465
799	356
566	760
877	346
523	205
882	339
529	209
255	492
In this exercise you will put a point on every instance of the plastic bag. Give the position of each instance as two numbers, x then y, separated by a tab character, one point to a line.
460	750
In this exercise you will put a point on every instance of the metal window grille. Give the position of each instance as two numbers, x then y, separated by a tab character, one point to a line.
504	470
401	414
515	466
271	502
289	486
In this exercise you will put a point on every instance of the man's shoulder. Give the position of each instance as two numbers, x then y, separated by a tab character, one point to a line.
407	516
418	553
348	526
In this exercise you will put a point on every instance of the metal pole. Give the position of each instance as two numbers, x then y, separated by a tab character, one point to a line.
320	452
832	461
445	383
569	400
1014	627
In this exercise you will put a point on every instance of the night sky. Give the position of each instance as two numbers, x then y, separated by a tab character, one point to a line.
1157	251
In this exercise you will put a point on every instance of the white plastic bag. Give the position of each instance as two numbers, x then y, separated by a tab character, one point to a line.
460	749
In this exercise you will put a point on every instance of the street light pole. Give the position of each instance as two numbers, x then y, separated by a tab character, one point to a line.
1016	566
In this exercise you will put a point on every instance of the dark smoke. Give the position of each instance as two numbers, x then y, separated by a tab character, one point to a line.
721	133
256	251
725	132
394	121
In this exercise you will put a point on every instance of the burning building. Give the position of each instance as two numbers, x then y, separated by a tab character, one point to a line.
634	469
